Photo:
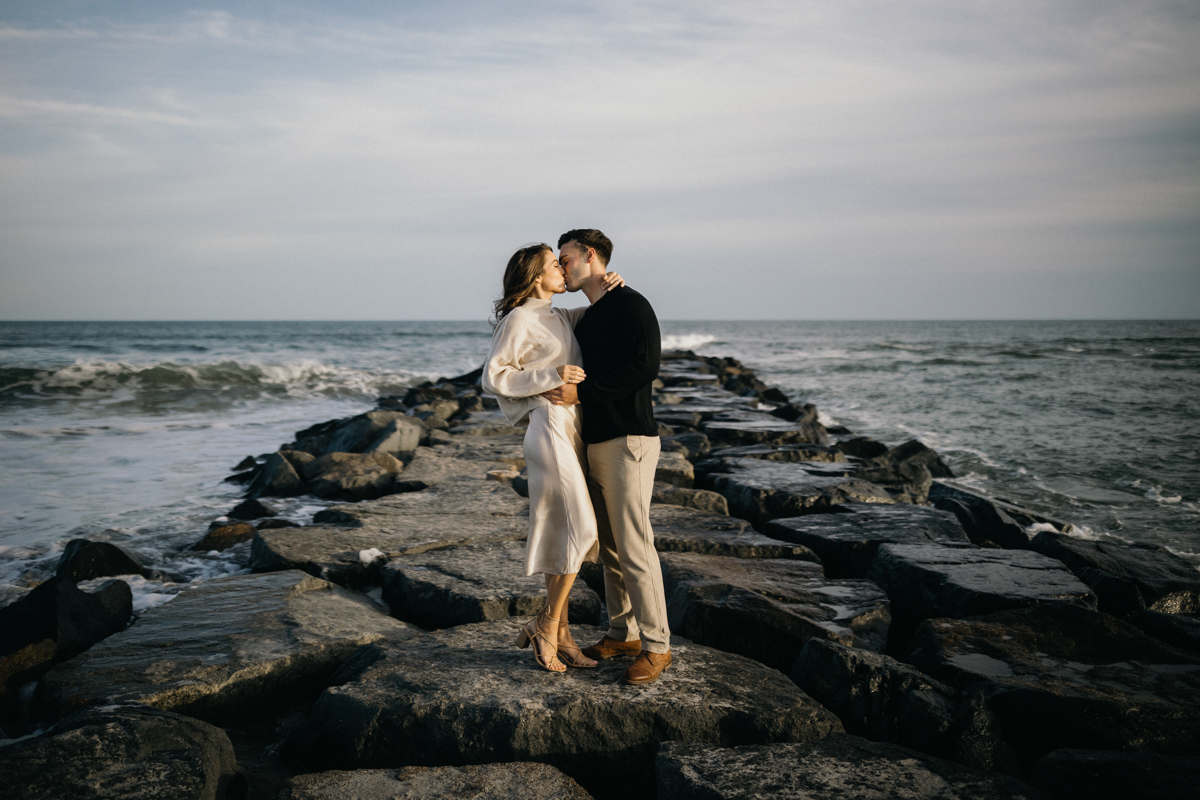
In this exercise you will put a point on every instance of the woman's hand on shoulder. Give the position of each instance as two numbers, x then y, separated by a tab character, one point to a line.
612	281
571	373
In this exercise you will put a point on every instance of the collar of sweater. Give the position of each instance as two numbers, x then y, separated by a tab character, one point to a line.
533	304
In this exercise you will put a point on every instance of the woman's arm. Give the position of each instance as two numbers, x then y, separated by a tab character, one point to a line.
504	373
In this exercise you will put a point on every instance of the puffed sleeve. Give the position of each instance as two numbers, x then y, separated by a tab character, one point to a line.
573	315
504	374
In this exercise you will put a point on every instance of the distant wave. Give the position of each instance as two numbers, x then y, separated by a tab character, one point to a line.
170	381
686	341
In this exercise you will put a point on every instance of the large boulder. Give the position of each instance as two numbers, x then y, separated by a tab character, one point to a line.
766	609
55	622
1113	775
1176	630
784	452
515	781
699	499
686	530
848	540
732	429
466	695
391	432
353	476
1127	578
454	511
1061	676
275	477
761	491
694	446
474	583
223	537
674	469
83	560
929	580
840	767
885	700
226	648
911	453
125	751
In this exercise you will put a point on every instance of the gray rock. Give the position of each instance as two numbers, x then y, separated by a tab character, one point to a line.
223	537
988	518
121	752
700	499
840	767
378	431
911	453
679	529
486	423
674	469
925	581
275	478
733	429
83	560
908	483
502	449
1112	775
848	540
885	700
1176	630
55	622
1138	576
784	452
430	465
453	512
467	695
249	510
861	447
1061	676
399	437
474	583
694	446
353	476
766	609
226	648
515	781
761	491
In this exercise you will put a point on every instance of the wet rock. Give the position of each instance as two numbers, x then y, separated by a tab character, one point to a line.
848	540
700	499
676	418
274	523
908	483
694	446
1061	676
353	476
733	429
1112	775
766	609
791	412
225	649
1176	630
861	447
83	560
685	530
465	694
298	459
764	490
989	519
674	469
840	767
515	781
911	453
249	510
453	512
390	432
122	752
223	537
885	700
474	583
784	452
930	580
275	478
246	463
1127	578
53	623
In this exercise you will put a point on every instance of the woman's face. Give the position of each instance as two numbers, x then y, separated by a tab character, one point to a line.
553	280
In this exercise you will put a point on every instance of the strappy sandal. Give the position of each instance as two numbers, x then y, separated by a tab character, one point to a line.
572	654
530	632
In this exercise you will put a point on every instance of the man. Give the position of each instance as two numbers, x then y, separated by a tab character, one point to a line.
620	341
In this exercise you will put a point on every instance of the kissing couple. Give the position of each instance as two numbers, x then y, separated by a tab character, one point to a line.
580	380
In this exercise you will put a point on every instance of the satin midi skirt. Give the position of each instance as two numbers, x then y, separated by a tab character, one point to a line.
562	523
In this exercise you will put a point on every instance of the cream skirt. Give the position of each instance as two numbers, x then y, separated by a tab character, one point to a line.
562	524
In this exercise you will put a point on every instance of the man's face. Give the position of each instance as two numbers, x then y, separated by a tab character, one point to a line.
574	260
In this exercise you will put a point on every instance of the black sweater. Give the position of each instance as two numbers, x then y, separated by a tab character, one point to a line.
620	341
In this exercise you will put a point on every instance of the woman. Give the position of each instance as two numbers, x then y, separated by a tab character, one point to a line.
534	350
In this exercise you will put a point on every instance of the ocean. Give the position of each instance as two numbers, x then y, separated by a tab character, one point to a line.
124	431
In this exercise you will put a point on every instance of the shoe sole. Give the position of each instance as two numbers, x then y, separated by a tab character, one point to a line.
652	680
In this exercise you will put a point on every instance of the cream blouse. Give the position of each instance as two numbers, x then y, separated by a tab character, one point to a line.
529	344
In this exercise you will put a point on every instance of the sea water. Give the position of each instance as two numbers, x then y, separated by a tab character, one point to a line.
124	431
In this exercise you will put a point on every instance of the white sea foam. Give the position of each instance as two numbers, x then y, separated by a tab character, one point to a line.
686	341
1039	527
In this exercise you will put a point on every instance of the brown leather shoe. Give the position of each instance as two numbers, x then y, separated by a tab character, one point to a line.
611	648
647	668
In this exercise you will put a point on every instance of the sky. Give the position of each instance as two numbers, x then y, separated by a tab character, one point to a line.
749	160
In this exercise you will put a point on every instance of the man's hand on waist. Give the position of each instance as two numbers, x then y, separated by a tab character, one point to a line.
565	395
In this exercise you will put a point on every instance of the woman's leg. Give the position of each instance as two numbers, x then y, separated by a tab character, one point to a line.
558	591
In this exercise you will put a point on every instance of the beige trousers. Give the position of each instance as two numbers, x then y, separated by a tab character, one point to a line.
621	481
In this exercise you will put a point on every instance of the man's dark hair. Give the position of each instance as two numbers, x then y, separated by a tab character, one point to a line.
589	237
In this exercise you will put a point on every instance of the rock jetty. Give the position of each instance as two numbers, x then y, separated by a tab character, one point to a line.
849	622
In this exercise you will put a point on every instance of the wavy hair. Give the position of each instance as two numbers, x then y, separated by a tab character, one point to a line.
519	278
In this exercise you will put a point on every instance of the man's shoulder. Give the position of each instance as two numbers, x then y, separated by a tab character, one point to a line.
627	299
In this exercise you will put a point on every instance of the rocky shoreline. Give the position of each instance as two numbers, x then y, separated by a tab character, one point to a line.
848	622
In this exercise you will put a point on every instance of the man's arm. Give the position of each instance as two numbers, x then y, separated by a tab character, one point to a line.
638	348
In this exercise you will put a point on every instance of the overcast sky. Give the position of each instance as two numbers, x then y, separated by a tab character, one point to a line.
790	160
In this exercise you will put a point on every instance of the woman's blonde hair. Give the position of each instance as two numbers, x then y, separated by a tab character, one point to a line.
520	275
